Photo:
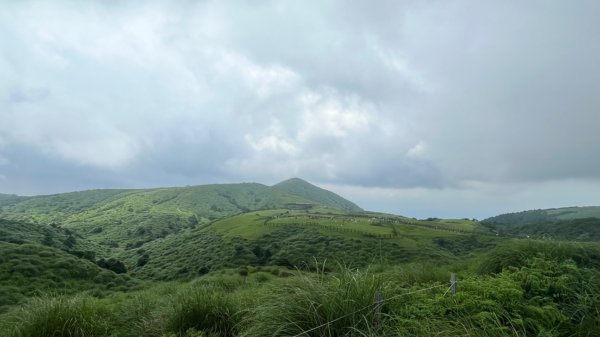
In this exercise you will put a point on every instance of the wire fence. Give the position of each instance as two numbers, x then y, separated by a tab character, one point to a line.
374	306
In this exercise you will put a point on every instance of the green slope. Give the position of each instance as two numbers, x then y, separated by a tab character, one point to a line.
126	219
324	197
31	269
8	199
296	239
569	223
48	235
542	215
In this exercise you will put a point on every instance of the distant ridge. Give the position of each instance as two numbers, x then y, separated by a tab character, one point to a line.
567	223
304	189
545	215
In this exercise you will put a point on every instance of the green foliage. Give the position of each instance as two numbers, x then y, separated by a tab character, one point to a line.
112	264
204	309
312	301
131	218
517	253
29	269
547	295
572	223
78	316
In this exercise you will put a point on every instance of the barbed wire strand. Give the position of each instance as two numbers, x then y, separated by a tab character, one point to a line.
370	305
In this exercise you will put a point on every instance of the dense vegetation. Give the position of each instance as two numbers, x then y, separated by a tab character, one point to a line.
551	292
572	223
29	269
288	260
544	215
130	218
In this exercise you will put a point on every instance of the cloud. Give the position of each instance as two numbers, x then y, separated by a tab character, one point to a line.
435	96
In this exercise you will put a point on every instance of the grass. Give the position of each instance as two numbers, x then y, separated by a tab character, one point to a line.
78	316
126	219
549	294
28	269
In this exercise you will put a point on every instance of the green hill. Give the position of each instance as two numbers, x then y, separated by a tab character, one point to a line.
127	219
324	197
8	199
295	238
569	223
31	269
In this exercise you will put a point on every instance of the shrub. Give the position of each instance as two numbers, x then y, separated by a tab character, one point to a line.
78	316
311	301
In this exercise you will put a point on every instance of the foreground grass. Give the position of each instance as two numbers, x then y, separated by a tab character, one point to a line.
554	291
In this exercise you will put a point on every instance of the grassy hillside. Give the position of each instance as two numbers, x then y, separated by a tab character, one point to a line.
295	239
48	235
31	269
126	219
324	197
7	199
532	289
571	223
545	215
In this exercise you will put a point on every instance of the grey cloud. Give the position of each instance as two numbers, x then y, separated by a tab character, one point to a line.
31	95
193	92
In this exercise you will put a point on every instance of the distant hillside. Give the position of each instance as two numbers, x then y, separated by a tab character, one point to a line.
545	215
8	199
571	223
294	239
125	219
324	197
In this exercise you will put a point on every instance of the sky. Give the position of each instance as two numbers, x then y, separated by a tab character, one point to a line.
422	108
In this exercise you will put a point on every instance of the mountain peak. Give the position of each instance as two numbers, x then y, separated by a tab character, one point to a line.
309	191
294	180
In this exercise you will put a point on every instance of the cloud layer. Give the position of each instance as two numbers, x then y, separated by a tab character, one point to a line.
436	96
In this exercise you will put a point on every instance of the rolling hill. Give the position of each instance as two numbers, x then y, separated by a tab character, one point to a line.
297	239
129	218
568	223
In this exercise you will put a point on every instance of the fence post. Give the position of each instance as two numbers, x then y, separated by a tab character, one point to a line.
453	281
378	303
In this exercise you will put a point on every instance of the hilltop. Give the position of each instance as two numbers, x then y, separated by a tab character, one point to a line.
297	186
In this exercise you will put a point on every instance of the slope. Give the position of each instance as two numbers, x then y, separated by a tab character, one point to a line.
31	269
297	186
296	239
48	235
129	218
569	223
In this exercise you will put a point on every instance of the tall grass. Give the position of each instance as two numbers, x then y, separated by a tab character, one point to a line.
78	316
344	300
517	253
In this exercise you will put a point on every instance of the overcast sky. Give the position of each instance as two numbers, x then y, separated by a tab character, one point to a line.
421	108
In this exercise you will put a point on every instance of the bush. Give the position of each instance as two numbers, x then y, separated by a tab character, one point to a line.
78	316
199	308
311	301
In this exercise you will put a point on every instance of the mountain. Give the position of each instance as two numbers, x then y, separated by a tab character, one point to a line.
569	223
297	186
126	219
